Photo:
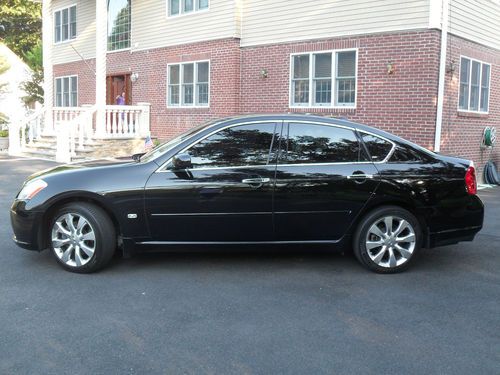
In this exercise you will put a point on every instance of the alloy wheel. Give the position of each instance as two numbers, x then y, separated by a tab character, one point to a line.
73	239
390	241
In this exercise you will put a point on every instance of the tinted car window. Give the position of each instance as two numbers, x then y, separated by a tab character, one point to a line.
235	146
406	155
377	147
310	143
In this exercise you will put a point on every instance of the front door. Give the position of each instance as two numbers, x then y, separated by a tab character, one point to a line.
227	194
323	179
115	86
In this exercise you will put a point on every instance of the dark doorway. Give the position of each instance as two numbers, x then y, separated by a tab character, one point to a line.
115	85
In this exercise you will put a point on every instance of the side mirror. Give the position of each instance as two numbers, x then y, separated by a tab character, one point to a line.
182	161
137	157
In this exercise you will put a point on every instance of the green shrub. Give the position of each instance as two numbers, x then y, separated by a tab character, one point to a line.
4	133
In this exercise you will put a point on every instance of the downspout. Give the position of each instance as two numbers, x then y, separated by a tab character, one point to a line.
442	73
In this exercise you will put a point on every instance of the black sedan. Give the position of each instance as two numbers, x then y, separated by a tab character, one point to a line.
276	179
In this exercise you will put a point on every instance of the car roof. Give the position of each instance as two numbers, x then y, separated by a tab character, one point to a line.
304	117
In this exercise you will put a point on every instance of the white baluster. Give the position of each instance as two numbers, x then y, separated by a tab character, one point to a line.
108	122
81	128
114	127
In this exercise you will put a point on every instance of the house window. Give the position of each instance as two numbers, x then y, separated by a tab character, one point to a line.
119	22
67	91
177	7
323	79
474	90
65	24
188	84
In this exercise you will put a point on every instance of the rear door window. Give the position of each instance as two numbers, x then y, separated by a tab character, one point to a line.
315	143
377	147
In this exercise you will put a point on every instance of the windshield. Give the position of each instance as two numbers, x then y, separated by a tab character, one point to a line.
161	149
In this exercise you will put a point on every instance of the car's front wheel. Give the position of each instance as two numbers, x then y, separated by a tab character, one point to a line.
387	239
82	238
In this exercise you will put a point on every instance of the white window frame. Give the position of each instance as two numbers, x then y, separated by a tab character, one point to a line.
481	63
195	82
332	104
69	24
196	9
62	93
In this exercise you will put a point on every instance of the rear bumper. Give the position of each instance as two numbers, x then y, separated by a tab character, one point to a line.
454	236
26	225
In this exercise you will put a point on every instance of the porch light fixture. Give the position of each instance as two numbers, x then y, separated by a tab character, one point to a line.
263	73
391	69
134	77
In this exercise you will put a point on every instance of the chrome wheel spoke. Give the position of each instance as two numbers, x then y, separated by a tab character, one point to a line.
403	224
66	255
62	230
78	257
90	236
81	223
87	250
378	257
58	242
374	244
388	224
408	238
374	229
69	222
392	258
404	252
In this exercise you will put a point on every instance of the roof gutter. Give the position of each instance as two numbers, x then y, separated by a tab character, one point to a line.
445	6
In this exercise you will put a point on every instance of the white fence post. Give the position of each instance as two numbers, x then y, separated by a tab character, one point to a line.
14	140
63	150
145	120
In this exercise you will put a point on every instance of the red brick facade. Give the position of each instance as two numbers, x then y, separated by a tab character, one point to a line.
403	102
461	131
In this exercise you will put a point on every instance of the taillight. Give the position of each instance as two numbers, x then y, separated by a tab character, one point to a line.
470	180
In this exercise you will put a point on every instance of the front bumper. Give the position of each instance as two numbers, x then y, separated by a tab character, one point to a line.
27	226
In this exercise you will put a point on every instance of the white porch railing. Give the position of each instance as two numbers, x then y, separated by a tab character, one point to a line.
75	127
25	132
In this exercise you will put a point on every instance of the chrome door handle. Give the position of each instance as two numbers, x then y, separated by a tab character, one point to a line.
258	180
356	176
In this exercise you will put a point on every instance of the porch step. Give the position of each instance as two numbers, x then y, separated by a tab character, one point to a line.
46	147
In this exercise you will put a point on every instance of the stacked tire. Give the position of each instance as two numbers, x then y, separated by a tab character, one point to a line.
491	174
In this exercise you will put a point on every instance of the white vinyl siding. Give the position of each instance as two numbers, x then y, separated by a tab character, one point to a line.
64	24
477	20
474	85
267	22
188	84
66	91
152	27
323	79
84	42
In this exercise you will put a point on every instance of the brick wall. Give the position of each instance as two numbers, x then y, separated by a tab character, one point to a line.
403	103
462	132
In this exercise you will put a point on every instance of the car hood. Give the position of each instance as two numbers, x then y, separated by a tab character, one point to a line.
87	165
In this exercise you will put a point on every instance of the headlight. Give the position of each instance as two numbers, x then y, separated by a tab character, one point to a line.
31	189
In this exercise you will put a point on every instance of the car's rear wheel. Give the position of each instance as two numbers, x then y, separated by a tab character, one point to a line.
82	237
387	239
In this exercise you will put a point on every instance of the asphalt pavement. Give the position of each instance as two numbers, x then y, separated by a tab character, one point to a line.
297	310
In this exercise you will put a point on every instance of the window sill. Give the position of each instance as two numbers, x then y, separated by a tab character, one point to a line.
323	109
472	114
119	50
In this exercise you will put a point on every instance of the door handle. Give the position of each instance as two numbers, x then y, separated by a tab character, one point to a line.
258	180
359	176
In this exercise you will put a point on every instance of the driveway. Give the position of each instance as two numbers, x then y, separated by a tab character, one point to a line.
249	311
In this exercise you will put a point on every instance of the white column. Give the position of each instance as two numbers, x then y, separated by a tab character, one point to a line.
48	72
100	66
442	74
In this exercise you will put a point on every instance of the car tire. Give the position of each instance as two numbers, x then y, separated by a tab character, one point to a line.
82	237
387	240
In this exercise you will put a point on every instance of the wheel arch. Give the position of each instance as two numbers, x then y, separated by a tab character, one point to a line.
72	197
410	207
